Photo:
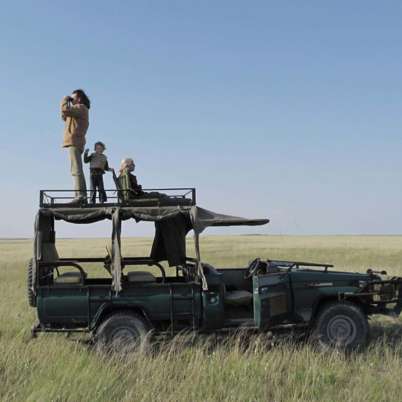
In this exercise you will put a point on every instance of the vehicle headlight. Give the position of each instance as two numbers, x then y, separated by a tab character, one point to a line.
377	287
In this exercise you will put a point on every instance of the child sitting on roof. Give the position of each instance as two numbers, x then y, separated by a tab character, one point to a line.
127	166
98	165
131	192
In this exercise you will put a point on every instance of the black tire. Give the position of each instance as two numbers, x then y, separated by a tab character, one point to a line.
122	332
30	294
341	325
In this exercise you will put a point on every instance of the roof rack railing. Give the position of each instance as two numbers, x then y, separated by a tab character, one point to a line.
170	196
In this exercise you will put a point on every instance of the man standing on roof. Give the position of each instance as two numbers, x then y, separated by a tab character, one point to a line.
75	113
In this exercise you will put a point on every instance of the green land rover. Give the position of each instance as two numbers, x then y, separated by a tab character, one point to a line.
131	300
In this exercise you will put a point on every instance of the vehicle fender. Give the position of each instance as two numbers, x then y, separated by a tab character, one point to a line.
326	295
107	309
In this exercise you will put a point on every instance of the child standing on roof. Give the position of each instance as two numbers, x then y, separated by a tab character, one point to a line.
98	165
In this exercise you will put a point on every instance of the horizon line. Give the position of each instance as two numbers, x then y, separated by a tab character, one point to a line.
228	235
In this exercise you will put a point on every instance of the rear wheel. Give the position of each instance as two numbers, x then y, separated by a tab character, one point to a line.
30	293
341	325
122	332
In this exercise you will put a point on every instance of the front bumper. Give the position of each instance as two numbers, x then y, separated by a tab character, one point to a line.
379	296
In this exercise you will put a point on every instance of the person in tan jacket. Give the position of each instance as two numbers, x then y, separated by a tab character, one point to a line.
75	113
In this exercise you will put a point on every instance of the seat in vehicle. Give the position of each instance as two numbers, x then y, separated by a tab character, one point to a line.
238	297
234	297
68	278
140	277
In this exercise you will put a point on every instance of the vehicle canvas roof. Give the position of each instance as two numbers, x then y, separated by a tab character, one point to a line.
172	223
200	217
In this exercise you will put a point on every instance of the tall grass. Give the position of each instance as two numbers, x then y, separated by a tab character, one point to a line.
205	368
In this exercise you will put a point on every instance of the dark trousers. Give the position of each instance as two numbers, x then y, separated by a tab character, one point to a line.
97	183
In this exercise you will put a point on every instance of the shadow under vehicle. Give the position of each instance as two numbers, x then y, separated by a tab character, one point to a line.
122	307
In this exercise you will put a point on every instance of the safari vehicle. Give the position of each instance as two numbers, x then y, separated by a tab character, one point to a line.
122	307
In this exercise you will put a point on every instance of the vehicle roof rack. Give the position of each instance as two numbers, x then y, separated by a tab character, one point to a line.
177	196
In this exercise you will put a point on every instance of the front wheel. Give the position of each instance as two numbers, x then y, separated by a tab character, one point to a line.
122	332
341	325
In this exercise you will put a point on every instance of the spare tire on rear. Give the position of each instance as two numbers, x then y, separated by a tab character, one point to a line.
31	295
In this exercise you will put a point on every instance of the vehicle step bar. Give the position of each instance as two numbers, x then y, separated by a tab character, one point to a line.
39	328
239	322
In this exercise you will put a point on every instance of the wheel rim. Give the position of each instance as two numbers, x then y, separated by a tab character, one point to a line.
124	337
341	330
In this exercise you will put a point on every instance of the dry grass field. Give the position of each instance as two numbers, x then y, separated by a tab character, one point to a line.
57	368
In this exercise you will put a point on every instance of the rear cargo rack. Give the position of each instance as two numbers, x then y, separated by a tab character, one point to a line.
172	197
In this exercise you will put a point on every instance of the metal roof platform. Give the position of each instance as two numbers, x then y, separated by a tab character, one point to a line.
157	197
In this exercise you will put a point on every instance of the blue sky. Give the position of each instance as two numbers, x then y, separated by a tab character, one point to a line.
290	110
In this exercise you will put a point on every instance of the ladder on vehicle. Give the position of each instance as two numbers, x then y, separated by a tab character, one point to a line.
174	316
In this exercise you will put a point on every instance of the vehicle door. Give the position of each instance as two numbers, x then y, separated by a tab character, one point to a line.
272	299
64	302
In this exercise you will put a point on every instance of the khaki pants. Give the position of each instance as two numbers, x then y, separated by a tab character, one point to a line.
80	186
